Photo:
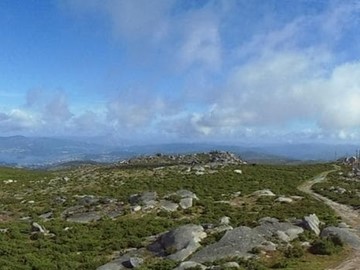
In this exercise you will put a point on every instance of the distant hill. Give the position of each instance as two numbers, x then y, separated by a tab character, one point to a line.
41	151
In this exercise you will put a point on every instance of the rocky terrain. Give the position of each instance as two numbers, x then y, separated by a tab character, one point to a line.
199	211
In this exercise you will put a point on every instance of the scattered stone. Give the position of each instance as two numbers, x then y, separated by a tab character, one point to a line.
263	192
47	215
190	265
186	203
231	265
282	199
198	168
9	181
238	171
136	208
312	223
37	228
237	194
4	230
149	198
168	205
183	193
225	220
296	198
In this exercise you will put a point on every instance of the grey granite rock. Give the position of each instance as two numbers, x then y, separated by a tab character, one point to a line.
346	235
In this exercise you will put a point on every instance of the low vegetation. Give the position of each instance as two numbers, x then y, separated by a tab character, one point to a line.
25	195
341	186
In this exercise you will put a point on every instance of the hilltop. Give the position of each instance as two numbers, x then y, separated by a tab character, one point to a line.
154	212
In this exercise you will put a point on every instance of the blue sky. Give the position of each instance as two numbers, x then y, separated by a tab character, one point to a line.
172	70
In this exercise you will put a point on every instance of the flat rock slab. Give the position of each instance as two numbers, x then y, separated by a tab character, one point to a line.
86	217
235	243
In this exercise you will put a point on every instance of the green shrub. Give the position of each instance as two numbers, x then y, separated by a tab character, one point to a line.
326	246
296	251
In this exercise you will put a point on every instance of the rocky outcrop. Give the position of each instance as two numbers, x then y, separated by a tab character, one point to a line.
235	243
284	231
240	241
180	243
345	234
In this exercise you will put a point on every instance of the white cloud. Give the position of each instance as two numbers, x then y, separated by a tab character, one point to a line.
18	121
56	111
202	42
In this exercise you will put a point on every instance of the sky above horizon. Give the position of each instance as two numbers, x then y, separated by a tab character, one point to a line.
172	70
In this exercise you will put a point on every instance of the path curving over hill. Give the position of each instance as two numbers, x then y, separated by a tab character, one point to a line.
347	214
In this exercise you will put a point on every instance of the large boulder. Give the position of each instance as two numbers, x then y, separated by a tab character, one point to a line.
180	243
235	243
345	234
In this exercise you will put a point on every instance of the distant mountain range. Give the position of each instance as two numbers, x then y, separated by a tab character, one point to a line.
40	151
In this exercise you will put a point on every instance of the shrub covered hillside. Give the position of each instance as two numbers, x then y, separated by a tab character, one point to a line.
89	216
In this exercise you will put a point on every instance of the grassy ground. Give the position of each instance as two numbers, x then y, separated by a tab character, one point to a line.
90	245
335	182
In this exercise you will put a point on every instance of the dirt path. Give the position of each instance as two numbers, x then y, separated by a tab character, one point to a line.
347	214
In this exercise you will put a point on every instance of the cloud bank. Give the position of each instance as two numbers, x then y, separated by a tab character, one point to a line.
225	70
